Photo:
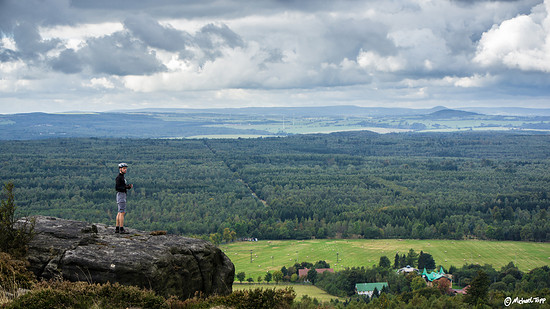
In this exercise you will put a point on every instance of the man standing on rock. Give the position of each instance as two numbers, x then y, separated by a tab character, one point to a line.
121	189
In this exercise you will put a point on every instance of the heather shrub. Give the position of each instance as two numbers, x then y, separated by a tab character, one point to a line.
245	299
14	274
64	294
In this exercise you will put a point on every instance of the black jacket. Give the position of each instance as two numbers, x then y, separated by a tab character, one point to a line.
121	185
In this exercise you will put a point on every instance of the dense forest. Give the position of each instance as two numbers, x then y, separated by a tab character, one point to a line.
353	184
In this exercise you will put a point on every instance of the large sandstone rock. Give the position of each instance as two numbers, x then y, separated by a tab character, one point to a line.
168	264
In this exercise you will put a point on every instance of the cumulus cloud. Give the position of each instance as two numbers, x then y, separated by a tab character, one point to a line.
381	51
522	42
99	83
476	80
373	61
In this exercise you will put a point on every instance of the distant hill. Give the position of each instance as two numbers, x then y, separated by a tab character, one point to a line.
108	125
509	111
178	123
342	110
451	113
259	122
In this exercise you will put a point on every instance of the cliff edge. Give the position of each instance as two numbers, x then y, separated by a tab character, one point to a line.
167	264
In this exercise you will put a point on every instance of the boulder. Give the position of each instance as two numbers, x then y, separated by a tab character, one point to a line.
167	264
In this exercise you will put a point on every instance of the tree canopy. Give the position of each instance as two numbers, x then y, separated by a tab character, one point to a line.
353	184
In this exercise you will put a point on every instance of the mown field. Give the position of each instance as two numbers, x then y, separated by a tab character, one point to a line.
300	289
256	258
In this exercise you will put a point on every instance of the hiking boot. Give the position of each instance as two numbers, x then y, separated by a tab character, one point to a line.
117	230
122	231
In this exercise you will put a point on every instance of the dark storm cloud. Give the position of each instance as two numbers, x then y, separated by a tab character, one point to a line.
275	55
349	36
213	32
152	33
29	42
68	62
212	37
21	19
166	8
116	54
131	51
35	12
209	39
120	54
7	55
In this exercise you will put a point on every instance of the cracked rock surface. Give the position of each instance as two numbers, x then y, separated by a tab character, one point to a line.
167	264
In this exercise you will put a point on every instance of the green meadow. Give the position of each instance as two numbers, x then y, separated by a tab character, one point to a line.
300	289
257	258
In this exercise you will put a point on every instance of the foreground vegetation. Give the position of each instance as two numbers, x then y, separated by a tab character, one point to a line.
341	185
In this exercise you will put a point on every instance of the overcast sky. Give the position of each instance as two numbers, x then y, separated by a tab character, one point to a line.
100	55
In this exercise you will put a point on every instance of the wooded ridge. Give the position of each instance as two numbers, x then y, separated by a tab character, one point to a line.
355	184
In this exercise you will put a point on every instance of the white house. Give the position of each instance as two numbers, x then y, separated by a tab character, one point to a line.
368	288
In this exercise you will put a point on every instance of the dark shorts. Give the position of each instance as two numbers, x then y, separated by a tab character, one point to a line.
121	201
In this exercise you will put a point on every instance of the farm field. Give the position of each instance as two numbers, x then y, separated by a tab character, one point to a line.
256	258
300	289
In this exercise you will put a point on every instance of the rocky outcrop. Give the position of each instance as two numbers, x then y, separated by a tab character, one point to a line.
167	264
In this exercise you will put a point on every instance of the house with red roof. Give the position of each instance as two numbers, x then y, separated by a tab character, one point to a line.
303	272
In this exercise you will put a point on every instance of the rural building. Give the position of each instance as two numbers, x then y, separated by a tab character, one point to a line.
368	288
303	272
407	269
434	276
463	291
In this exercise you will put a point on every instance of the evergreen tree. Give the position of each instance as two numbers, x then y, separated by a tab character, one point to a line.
396	261
268	277
321	264
284	271
384	262
478	290
240	276
14	236
403	261
375	292
312	275
425	260
412	258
